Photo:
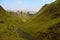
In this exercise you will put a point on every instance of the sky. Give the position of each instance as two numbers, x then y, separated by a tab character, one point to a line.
29	5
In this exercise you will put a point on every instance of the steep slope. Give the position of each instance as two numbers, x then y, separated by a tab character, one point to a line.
8	25
46	20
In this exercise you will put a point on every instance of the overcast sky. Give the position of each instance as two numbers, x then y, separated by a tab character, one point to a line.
30	5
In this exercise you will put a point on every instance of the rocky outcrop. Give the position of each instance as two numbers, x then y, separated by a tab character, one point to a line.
53	33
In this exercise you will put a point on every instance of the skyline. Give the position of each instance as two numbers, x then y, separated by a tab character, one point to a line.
29	5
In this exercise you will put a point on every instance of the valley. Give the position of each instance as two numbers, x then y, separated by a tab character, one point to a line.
44	25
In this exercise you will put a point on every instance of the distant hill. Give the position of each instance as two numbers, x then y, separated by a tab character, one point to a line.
45	25
25	16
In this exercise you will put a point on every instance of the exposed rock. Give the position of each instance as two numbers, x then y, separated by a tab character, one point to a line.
51	35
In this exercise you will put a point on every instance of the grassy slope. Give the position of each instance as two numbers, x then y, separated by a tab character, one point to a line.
43	20
8	23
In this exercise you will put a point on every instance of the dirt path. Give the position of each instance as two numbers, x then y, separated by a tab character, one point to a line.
24	34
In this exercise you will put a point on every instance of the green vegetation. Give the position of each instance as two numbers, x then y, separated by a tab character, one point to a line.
44	25
8	24
46	18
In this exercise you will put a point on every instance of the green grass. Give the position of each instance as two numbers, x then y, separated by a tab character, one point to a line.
43	19
7	24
